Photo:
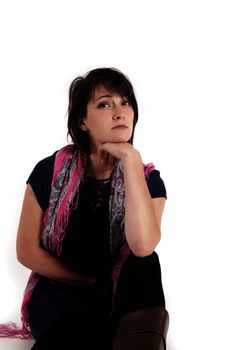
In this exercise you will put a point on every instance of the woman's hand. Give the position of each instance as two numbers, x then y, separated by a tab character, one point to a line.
111	152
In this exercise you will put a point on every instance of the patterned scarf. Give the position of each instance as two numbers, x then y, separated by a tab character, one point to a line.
68	173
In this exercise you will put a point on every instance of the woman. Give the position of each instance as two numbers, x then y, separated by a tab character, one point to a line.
89	225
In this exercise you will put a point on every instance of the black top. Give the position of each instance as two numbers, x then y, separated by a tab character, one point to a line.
86	246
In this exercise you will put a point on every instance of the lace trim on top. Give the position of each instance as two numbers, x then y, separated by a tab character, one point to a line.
95	192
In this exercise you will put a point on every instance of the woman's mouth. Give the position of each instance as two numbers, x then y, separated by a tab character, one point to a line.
120	126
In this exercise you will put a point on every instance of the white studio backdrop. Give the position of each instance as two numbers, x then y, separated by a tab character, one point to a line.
178	55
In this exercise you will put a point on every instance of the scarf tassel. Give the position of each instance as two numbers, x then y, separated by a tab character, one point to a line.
11	330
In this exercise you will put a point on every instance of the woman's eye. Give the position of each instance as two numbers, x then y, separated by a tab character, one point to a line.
103	105
126	103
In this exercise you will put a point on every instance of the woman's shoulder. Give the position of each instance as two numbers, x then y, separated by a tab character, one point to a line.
156	184
40	179
46	163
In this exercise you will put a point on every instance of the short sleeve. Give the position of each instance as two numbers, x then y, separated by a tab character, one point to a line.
40	180
156	185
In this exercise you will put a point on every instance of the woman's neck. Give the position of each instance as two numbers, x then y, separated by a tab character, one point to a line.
96	169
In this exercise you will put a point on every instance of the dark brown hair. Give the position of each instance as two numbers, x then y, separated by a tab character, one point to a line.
80	93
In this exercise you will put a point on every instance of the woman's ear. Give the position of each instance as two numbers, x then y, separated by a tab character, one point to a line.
82	125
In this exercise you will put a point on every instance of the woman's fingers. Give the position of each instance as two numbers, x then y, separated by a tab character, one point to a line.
107	158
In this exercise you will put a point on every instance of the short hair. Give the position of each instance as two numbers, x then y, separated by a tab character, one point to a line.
80	93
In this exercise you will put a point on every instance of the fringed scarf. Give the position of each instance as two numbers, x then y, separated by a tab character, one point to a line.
68	173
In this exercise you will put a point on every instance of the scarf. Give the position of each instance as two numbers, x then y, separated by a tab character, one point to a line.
68	173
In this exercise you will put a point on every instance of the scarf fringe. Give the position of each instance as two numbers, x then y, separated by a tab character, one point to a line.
11	330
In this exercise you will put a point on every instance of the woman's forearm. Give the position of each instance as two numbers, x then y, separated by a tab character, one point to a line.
29	251
41	261
141	227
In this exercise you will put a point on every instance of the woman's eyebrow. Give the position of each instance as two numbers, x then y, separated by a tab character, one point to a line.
103	96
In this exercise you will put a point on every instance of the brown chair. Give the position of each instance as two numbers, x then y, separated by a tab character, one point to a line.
144	329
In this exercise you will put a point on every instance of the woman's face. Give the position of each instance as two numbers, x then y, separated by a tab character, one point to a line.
109	118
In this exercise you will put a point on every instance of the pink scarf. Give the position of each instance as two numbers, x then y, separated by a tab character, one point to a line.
68	172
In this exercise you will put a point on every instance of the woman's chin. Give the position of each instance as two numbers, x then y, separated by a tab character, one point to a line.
120	138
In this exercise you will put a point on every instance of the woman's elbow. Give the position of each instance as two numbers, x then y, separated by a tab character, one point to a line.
147	249
24	253
21	254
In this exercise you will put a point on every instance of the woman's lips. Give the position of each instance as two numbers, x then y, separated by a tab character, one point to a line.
120	127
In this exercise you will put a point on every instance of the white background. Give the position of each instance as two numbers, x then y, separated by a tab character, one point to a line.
179	55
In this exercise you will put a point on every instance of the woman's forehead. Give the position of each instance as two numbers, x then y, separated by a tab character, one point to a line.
102	90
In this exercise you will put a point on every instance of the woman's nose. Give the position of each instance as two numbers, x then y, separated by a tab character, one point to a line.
118	116
118	113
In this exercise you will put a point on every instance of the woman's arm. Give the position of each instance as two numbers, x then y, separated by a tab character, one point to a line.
142	213
29	250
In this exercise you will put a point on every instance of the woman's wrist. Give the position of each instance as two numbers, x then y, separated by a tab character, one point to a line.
132	156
